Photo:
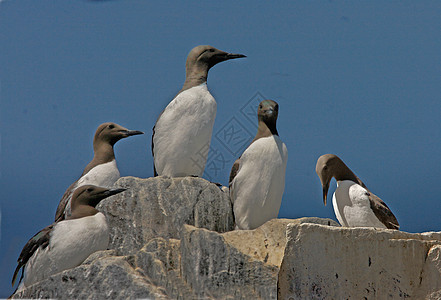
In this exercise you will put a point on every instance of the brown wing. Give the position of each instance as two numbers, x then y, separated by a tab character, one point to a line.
382	212
234	170
41	239
59	215
233	173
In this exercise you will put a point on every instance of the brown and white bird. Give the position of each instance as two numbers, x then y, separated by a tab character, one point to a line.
66	244
354	205
182	134
102	170
257	178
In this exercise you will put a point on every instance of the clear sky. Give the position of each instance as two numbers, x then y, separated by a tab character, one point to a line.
361	80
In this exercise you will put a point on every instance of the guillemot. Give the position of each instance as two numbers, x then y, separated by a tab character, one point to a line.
182	133
354	205
66	244
257	178
102	170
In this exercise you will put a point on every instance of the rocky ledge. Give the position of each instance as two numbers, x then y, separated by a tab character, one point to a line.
174	239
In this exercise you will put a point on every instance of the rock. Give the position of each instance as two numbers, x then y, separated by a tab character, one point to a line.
160	261
431	275
173	239
267	243
111	277
242	264
160	206
323	262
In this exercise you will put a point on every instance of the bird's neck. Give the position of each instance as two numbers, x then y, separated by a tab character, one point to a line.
103	153
265	129
81	211
196	75
344	173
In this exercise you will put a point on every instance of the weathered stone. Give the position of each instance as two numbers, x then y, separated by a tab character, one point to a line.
323	262
160	206
431	275
215	270
160	261
154	254
107	277
241	264
267	242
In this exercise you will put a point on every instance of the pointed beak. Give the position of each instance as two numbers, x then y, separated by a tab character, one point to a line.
112	192
128	133
269	111
234	55
221	56
325	192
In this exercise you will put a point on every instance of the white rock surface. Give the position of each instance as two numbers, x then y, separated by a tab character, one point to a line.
323	262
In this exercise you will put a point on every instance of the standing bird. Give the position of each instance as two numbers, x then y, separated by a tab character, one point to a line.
102	170
257	178
66	244
354	205
182	134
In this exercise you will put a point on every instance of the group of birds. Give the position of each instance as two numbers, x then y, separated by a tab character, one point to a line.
184	127
79	229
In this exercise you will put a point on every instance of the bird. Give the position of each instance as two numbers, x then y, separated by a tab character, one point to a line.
182	133
102	170
354	204
66	244
257	178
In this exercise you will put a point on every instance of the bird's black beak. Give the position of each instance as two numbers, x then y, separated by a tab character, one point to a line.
269	111
325	192
131	132
112	192
233	56
220	56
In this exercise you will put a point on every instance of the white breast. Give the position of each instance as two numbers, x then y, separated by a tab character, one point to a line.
71	242
352	206
103	175
183	133
257	189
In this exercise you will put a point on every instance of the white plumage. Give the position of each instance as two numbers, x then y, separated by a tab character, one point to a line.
102	170
71	242
103	175
257	189
183	133
352	206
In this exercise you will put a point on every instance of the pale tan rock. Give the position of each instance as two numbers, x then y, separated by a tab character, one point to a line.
323	262
216	270
241	264
160	261
267	242
431	275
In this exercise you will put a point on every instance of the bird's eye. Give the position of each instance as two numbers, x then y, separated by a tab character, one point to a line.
90	190
277	107
111	126
211	50
367	194
325	167
260	106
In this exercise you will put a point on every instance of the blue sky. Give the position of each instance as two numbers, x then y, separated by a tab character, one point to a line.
360	80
